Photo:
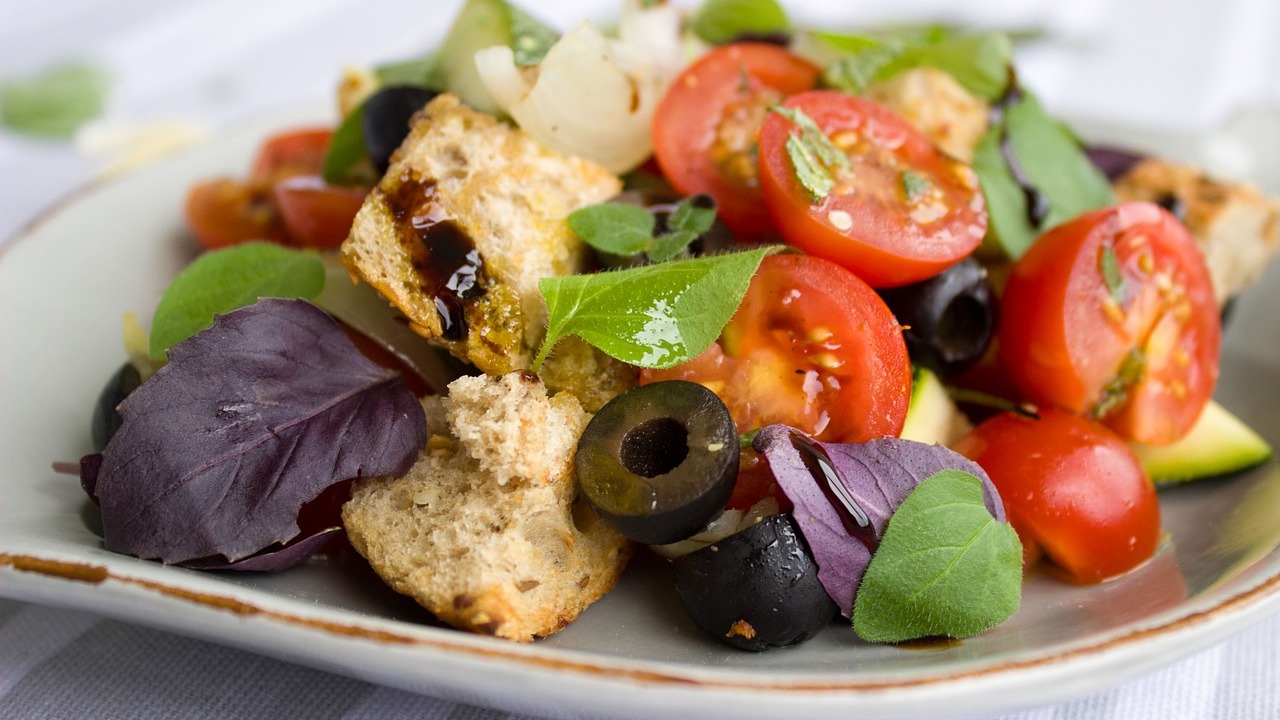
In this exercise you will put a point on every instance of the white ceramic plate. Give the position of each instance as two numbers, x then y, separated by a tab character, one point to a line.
64	285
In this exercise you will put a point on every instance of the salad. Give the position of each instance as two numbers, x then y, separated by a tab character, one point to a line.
844	324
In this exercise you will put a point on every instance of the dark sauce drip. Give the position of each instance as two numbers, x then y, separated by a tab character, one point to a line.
445	257
1037	203
854	518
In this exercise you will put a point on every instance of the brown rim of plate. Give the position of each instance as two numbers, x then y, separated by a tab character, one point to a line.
98	574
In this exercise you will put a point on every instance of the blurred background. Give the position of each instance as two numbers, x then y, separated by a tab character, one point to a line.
172	73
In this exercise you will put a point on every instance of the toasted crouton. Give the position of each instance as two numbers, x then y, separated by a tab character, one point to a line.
485	531
938	106
470	215
1234	224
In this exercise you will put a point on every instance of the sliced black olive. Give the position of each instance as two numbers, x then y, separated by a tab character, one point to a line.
386	120
106	419
949	319
756	589
662	203
659	461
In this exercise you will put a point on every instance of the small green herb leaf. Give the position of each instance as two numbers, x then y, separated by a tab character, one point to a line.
654	315
945	566
624	229
419	71
980	63
914	184
54	104
1109	267
616	228
812	154
223	280
719	21
854	72
693	215
1116	392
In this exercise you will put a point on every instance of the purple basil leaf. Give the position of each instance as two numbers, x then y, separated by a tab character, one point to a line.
871	481
249	420
296	552
90	466
1112	162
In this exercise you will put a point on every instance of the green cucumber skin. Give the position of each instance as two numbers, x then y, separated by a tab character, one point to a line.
1218	444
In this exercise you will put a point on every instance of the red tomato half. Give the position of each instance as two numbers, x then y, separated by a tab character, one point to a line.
226	212
900	212
317	215
297	152
811	346
706	130
1113	315
1072	489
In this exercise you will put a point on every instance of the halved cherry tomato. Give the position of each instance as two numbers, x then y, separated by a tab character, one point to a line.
1073	490
296	152
226	212
1113	315
284	200
900	212
811	346
706	130
316	214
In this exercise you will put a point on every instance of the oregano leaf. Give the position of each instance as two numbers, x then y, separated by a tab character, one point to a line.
945	566
693	214
652	316
616	228
226	279
668	246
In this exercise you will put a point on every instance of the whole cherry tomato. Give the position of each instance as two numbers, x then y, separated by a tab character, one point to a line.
1073	490
1112	314
899	211
811	346
706	130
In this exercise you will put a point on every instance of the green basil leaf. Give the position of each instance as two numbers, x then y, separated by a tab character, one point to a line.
654	315
1050	159
56	103
530	38
914	184
346	162
945	566
615	228
223	280
980	63
719	21
1055	163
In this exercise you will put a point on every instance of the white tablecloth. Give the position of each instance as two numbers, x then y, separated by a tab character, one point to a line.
1184	66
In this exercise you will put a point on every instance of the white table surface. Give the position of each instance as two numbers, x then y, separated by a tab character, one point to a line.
1174	66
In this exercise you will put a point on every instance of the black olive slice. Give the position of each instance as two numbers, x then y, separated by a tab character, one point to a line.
106	419
659	461
387	113
756	589
949	319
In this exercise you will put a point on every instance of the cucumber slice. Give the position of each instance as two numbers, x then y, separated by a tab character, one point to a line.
482	24
932	416
1219	443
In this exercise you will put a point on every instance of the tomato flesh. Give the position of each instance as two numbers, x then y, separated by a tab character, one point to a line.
900	212
1113	315
1072	489
706	128
284	199
810	346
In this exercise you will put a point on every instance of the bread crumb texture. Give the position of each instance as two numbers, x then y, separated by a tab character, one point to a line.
485	531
